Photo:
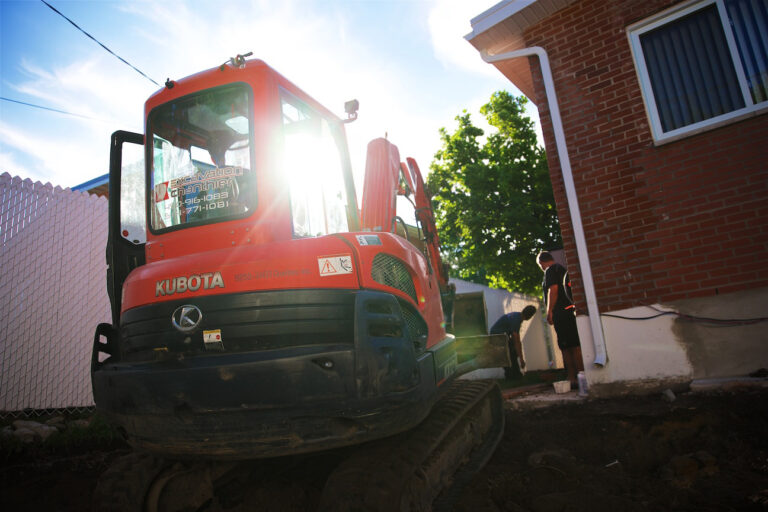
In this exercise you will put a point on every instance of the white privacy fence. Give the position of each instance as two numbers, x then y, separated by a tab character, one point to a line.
52	293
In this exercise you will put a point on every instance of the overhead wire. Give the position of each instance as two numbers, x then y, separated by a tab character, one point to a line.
99	42
42	107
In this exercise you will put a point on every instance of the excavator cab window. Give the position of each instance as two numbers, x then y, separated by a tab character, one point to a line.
406	223
406	210
312	169
201	158
132	197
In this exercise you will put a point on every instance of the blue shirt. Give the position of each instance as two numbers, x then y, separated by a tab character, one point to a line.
509	323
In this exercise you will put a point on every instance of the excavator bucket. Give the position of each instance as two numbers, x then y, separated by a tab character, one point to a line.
474	348
483	351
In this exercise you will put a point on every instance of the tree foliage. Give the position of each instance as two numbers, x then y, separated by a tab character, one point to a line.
493	198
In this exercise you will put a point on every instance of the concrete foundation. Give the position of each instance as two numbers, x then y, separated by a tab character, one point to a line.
670	351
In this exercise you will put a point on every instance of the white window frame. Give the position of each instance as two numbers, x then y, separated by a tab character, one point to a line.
636	30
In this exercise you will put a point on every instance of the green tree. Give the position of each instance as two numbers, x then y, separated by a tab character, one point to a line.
493	200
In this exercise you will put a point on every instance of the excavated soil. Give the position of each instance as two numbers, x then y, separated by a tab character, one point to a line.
696	453
700	452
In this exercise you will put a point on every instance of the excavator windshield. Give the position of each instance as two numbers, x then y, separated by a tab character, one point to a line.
312	167
201	158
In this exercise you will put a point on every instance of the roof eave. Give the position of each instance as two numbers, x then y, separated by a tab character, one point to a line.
501	29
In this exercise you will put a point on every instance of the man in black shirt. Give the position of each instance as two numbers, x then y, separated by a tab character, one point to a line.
561	314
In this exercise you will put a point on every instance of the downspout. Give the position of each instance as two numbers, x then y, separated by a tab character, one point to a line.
601	357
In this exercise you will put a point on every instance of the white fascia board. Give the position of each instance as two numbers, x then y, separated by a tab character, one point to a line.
495	15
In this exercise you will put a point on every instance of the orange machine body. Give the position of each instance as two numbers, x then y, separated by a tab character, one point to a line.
247	325
259	252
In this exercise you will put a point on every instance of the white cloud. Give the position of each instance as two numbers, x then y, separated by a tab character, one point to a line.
449	22
9	164
311	47
86	88
67	150
312	44
64	161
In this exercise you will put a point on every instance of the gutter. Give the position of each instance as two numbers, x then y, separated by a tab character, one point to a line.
601	357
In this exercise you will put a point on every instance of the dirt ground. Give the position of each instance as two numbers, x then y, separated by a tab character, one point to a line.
697	453
700	452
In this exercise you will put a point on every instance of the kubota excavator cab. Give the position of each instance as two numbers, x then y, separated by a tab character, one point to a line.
256	312
262	316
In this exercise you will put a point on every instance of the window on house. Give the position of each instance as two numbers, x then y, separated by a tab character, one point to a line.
702	65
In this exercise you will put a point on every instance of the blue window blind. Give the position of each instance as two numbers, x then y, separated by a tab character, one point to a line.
691	70
749	20
708	62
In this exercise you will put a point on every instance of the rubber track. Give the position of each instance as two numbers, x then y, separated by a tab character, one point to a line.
123	487
375	478
478	458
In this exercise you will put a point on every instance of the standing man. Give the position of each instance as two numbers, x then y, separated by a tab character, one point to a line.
509	324
561	313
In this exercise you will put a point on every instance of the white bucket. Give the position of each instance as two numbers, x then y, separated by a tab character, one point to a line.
562	386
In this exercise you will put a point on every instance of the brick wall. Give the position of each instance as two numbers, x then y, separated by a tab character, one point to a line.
681	220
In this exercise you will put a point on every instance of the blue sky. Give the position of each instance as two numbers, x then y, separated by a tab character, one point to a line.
406	62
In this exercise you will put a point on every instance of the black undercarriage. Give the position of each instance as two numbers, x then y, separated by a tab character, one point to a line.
294	371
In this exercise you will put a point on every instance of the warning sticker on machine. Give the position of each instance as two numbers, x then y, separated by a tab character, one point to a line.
368	239
212	340
335	265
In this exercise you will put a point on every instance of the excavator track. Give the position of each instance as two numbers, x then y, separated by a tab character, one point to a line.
425	468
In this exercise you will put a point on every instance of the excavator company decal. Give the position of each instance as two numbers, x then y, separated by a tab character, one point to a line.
368	239
214	179
192	283
335	265
271	274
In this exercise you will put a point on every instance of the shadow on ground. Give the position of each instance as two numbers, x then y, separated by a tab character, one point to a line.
700	452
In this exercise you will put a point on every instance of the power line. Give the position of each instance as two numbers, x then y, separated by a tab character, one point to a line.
50	109
99	42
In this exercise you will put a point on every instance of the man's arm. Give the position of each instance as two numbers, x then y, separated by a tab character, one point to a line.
551	301
518	348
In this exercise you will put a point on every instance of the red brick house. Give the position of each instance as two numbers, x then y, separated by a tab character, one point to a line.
662	107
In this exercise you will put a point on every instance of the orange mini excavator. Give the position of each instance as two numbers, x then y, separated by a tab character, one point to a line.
258	313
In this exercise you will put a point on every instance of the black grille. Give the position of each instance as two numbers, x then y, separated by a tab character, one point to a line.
248	322
417	327
392	272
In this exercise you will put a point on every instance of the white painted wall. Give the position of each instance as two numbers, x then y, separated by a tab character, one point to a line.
637	350
684	347
535	335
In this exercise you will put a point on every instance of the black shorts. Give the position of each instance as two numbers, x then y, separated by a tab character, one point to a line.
565	327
